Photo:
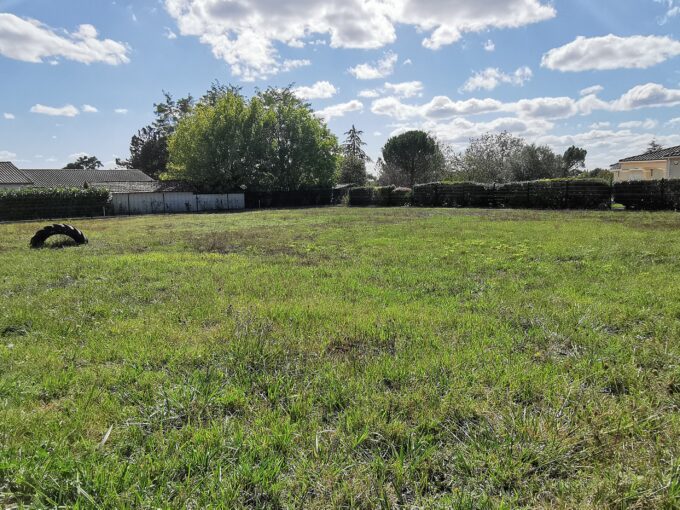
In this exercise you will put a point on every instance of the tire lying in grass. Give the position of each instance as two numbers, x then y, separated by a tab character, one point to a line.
42	235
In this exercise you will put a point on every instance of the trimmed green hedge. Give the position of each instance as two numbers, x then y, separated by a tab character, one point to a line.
648	195
42	203
554	194
367	196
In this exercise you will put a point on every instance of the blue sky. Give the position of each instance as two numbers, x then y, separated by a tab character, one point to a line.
80	76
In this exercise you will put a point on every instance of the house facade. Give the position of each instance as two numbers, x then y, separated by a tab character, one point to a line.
661	164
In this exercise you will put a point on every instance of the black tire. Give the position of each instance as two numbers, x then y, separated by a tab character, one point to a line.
42	235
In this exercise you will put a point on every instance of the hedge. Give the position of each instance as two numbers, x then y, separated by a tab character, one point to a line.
367	196
554	194
295	198
42	203
648	195
401	197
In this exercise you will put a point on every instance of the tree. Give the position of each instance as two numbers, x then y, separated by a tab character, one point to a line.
488	158
410	158
653	147
532	162
84	163
353	146
574	160
149	146
272	141
353	171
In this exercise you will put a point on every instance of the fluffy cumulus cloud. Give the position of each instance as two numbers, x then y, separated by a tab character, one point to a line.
373	71
246	33
405	89
595	89
651	95
8	116
63	111
88	108
7	155
320	90
339	110
639	124
492	77
611	52
29	40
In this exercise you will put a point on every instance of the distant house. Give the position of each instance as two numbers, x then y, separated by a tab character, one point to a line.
117	181
661	164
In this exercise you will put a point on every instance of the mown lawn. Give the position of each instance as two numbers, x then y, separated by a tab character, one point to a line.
344	358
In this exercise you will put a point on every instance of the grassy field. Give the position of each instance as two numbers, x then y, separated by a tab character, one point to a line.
344	358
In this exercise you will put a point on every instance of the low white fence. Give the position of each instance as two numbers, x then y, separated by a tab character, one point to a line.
174	202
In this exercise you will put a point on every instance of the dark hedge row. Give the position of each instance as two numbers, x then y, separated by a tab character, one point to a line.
42	203
648	195
546	194
383	196
297	198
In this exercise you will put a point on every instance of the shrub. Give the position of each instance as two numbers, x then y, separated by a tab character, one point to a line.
361	196
401	197
38	203
554	194
648	195
425	195
463	194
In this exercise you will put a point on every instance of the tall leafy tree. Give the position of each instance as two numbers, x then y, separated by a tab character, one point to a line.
84	163
653	147
574	160
353	147
412	157
272	141
149	146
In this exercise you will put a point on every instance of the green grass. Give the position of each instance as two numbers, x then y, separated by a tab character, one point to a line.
344	358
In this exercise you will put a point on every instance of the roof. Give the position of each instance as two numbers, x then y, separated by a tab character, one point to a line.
76	178
144	187
671	152
9	174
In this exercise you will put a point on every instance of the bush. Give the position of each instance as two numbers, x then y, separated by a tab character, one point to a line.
425	195
463	194
365	196
554	194
648	195
42	203
401	197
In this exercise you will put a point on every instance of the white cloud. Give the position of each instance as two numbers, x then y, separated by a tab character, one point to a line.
644	124
320	90
673	122
120	111
405	89
65	111
8	116
369	93
490	78
169	34
650	95
594	90
611	52
78	155
489	46
673	10
380	69
89	109
407	62
600	125
7	155
339	110
246	33
29	40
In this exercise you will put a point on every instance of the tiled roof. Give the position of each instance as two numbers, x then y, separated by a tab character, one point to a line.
144	187
77	178
671	152
9	174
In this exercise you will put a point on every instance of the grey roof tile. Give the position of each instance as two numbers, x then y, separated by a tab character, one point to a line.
671	152
9	174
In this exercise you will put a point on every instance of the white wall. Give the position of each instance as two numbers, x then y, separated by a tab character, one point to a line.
162	203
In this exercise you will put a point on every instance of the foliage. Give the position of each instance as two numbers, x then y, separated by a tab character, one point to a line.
502	157
597	173
343	358
410	158
353	146
271	142
574	160
84	163
654	195
149	146
653	147
31	203
554	194
352	171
